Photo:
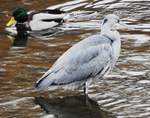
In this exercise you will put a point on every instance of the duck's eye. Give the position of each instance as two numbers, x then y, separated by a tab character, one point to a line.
105	20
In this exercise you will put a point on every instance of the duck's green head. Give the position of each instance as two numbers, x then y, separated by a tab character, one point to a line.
19	15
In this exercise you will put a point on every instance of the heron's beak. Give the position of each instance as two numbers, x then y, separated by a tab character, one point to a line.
126	26
11	22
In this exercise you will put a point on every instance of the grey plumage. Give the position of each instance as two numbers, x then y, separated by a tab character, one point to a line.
87	60
84	60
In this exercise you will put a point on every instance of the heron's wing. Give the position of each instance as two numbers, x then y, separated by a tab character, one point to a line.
78	66
86	63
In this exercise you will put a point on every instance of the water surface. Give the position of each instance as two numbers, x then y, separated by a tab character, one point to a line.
125	92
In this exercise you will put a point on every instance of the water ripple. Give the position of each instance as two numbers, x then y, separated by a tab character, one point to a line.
125	92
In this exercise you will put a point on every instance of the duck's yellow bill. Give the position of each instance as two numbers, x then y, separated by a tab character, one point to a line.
12	21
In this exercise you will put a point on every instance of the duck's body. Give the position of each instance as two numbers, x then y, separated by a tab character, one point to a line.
87	60
37	21
46	19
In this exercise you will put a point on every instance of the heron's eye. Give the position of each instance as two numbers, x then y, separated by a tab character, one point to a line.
105	20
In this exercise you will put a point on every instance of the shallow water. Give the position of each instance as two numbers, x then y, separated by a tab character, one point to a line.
125	92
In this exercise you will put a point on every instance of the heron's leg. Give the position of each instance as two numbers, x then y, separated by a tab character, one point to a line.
87	84
85	88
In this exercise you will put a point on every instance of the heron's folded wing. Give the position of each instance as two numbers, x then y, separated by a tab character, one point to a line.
83	64
78	65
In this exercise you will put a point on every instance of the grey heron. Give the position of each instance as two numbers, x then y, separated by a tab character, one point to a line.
85	61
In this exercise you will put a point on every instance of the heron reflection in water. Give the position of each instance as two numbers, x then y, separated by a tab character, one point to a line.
72	107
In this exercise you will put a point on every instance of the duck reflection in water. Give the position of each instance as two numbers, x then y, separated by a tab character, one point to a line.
22	35
72	107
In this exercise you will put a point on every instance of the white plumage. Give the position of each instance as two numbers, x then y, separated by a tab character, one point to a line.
38	23
87	60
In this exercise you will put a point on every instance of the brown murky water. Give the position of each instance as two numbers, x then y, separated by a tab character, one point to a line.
125	92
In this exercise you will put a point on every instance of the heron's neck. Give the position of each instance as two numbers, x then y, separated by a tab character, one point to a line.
115	36
108	31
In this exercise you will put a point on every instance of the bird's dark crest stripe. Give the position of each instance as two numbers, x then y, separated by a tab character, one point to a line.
105	20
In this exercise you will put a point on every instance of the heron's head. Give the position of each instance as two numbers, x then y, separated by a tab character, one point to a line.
110	21
19	15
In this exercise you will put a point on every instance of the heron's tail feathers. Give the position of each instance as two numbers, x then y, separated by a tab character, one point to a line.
43	83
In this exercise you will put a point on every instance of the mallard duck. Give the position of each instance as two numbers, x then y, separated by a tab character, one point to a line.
35	21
